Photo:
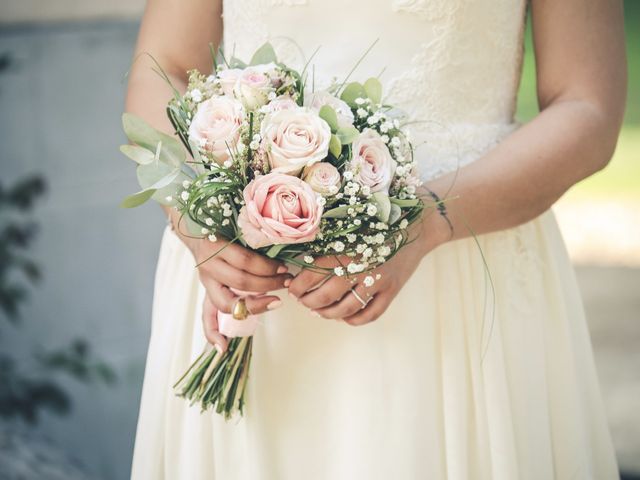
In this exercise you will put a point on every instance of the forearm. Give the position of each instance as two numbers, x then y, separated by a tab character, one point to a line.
526	173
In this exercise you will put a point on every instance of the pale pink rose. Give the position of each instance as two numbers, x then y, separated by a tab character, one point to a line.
323	177
294	139
279	209
372	164
316	100
283	102
216	124
253	87
228	79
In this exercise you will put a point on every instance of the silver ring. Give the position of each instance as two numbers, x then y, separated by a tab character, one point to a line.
355	294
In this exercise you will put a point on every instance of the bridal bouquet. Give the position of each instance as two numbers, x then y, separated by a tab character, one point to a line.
289	171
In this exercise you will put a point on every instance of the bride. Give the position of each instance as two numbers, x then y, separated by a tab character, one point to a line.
473	359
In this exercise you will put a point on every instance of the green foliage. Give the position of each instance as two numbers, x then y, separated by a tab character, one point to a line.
329	115
373	88
352	91
265	54
30	385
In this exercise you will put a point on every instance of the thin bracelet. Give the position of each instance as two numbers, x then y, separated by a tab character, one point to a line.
442	209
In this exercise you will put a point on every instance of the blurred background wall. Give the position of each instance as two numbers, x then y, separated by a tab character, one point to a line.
61	95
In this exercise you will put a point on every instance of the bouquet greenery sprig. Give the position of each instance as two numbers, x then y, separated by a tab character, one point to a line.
294	173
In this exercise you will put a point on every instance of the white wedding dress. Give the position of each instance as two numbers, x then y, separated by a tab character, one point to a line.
457	380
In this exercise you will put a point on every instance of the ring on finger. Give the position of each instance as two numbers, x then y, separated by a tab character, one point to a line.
239	310
359	298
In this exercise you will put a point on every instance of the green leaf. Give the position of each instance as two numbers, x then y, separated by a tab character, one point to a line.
144	135
347	134
335	146
137	199
338	212
409	202
140	155
265	54
275	250
396	213
351	92
329	115
381	200
373	87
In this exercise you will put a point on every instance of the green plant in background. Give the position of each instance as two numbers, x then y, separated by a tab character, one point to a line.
30	385
621	179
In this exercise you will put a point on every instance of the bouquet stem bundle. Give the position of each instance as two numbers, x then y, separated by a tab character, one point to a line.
219	379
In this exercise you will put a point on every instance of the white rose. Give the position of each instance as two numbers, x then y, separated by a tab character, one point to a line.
316	100
283	102
372	163
253	87
294	139
228	79
216	124
323	177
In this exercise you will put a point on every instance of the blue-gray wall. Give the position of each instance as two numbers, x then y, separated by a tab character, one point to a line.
60	103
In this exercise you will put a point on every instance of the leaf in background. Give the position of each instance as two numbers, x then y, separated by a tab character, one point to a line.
138	154
265	54
383	204
351	92
347	134
396	213
151	174
335	146
329	115
410	202
144	135
275	250
137	199
373	87
338	212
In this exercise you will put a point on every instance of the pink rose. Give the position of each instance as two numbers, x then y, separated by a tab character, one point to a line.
216	124
294	139
253	87
323	177
283	102
279	209
372	164
316	100
228	79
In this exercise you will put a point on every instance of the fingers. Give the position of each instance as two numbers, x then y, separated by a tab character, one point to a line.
232	277
371	312
348	305
224	299
210	326
330	292
244	259
306	281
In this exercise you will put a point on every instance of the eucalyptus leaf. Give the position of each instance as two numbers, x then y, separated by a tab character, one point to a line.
138	154
335	146
347	134
338	212
405	203
144	135
275	250
137	199
395	213
351	92
236	63
265	54
373	87
383	203
329	115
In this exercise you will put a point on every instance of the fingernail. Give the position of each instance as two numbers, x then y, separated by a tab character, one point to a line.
282	269
275	304
218	348
314	313
287	282
293	296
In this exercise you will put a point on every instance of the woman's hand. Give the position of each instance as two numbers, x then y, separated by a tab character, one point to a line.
223	266
331	296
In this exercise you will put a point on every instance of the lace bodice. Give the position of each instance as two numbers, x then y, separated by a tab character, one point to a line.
452	65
